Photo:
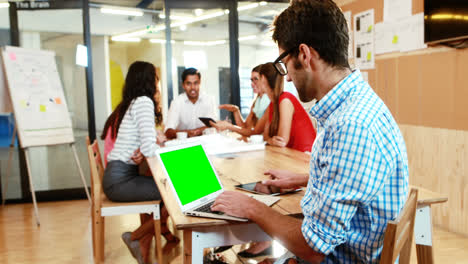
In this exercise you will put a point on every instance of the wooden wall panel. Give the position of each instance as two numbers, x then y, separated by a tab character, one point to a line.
438	160
409	110
418	6
372	77
386	83
429	83
427	92
438	89
461	91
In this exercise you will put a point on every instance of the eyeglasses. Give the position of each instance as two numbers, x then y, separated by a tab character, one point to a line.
279	65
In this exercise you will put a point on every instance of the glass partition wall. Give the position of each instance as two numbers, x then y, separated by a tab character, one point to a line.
200	38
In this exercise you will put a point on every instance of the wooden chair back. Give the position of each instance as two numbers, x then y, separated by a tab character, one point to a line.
399	233
97	171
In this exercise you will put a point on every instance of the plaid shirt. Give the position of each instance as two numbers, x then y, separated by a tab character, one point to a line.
358	174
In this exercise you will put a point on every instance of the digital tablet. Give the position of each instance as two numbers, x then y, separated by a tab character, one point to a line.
260	188
206	120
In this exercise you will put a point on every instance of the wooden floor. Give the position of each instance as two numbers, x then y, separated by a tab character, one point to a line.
65	237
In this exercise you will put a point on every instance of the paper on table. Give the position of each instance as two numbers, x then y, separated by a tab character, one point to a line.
411	33
364	39
215	144
395	10
386	37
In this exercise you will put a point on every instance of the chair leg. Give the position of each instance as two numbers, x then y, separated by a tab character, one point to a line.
93	232
102	239
99	238
157	241
98	235
405	253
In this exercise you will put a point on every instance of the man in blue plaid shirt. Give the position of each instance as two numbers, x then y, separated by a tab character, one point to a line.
358	178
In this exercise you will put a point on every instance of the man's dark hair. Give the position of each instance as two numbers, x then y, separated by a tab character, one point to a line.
190	71
319	24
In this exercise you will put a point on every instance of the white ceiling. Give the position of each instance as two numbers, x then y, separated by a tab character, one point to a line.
251	22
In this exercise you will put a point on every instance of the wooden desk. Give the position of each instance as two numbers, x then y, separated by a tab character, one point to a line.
200	233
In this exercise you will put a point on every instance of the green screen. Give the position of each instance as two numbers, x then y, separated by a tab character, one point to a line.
191	173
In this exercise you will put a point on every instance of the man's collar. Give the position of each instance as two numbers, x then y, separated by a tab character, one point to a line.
333	99
186	99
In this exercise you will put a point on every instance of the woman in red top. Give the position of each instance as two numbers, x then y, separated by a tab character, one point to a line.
288	125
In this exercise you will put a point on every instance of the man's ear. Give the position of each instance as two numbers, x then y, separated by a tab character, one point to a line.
308	56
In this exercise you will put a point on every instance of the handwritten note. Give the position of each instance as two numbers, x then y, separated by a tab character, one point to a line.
386	37
411	31
395	10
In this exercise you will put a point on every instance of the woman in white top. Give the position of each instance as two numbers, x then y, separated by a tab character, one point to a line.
133	125
254	123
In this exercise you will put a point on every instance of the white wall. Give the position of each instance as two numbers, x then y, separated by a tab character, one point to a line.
101	80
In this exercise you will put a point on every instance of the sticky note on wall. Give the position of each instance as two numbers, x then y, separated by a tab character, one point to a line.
42	108
58	100
369	56
23	103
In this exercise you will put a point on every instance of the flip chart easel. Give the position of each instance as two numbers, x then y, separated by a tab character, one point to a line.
39	105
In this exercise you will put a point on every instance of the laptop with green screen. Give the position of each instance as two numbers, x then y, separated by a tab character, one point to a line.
193	179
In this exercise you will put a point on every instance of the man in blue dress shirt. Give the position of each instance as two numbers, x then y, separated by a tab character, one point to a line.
358	177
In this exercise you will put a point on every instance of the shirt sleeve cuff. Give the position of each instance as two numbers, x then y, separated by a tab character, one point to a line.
318	240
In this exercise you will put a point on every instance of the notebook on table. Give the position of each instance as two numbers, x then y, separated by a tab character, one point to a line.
195	182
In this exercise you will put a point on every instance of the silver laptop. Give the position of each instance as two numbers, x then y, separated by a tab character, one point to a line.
195	182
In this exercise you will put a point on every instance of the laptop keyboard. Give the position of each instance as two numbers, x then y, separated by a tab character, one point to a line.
207	209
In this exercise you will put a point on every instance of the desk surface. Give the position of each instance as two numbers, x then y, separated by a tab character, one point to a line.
248	167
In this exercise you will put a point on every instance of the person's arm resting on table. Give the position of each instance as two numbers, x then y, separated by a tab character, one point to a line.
352	172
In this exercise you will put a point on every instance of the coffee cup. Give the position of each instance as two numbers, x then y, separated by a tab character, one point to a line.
181	135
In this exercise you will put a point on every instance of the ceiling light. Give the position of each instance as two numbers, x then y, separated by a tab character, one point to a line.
185	21
263	3
205	43
183	27
174	17
4	5
133	34
245	7
247	37
216	42
120	39
125	12
200	18
198	12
